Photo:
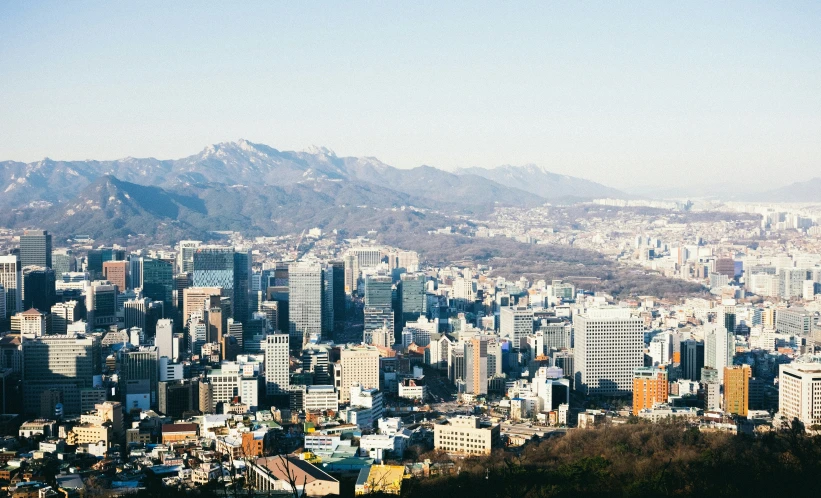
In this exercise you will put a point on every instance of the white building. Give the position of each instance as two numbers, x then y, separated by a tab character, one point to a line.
609	346
799	393
321	398
276	364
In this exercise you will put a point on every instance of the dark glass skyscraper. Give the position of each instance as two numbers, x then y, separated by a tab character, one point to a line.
39	289
35	248
158	281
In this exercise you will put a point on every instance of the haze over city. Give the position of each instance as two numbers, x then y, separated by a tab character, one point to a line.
624	94
468	249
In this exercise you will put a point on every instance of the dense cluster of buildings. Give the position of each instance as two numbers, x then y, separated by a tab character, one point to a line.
205	363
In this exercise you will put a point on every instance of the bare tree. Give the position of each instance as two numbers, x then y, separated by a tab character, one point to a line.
284	465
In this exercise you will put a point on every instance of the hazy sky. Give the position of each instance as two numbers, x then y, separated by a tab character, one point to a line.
623	93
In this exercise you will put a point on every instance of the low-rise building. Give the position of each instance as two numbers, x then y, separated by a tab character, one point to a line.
465	435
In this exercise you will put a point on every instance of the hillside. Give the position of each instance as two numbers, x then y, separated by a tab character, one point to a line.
541	182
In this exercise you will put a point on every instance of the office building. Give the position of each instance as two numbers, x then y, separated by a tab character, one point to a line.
64	314
11	279
63	261
164	339
692	359
719	348
35	249
799	393
116	272
649	388
413	297
158	281
328	319
378	291
515	324
737	389
320	398
32	323
465	435
304	302
139	375
351	273
231	382
64	363
609	347
315	360
476	366
198	299
39	289
177	397
359	365
101	304
277	363
185	255
339	302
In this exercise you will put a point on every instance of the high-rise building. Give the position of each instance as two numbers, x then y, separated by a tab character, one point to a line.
241	299
799	392
609	347
35	249
719	348
101	304
177	397
63	261
351	273
214	267
366	257
376	318
66	363
64	314
359	365
649	387
158	281
328	311
339	305
515	324
737	389
134	312
39	289
11	278
197	299
116	272
305	298
378	291
476	366
185	255
139	375
32	323
315	360
277	378
414	299
692	359
164	339
96	258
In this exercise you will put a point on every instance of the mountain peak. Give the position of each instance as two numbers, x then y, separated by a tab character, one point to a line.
319	151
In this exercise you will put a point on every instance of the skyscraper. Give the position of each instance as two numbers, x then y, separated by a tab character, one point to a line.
11	278
737	389
185	255
35	248
63	314
241	301
719	348
139	375
304	301
277	378
164	339
214	267
359	365
515	324
378	291
609	347
116	272
63	261
158	281
38	288
66	363
339	306
413	300
692	359
101	303
476	366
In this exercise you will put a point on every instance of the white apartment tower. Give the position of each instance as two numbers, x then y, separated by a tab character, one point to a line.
304	301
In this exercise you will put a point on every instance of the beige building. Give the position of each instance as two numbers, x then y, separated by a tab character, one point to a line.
464	435
359	365
198	299
89	433
799	393
278	472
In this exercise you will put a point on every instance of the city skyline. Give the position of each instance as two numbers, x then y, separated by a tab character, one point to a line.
625	95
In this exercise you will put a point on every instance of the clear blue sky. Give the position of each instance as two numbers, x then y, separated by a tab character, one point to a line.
622	93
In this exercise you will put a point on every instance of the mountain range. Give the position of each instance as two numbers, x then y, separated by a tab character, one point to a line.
255	188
